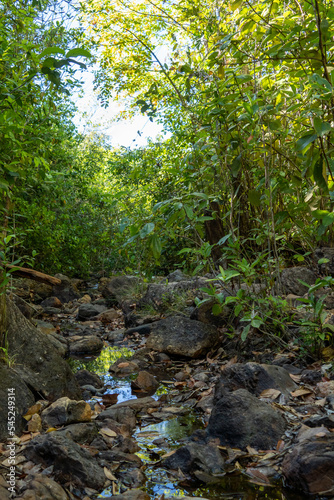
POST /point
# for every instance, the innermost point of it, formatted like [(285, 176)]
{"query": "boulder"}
[(87, 311), (38, 362), (196, 457), (325, 253), (176, 276), (161, 295), (255, 378), (66, 291), (290, 277), (70, 461), (23, 399), (66, 411), (239, 420), (82, 433), (42, 487), (145, 382), (117, 289), (89, 344), (85, 377), (181, 336), (310, 465), (52, 302), (27, 289)]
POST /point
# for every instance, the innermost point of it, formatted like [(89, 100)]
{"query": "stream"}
[(159, 438)]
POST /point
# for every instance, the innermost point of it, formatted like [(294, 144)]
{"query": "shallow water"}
[(174, 432)]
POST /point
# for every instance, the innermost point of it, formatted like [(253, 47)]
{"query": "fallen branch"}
[(23, 272)]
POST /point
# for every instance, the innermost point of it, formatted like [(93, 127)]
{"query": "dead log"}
[(23, 272)]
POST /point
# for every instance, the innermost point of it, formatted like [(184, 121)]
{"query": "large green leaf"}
[(147, 229), (156, 246), (52, 50), (321, 127), (79, 52), (319, 173), (305, 141)]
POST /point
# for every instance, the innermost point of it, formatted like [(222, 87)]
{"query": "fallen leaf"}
[(321, 402), (108, 432), (169, 454), (257, 477), (321, 434), (122, 365), (301, 392), (109, 474), (280, 445), (51, 429), (270, 393), (252, 451), (295, 378), (232, 361)]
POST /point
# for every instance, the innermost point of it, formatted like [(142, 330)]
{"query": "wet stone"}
[(66, 411)]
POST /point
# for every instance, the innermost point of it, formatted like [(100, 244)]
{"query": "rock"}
[(131, 495), (180, 336), (161, 295), (325, 253), (35, 423), (108, 316), (22, 399), (86, 299), (39, 364), (239, 420), (115, 455), (122, 415), (124, 367), (176, 276), (290, 277), (89, 344), (59, 343), (117, 289), (204, 313), (27, 289), (66, 291), (134, 404), (66, 411), (310, 466), (87, 311), (26, 309), (255, 378), (145, 381), (42, 487), (70, 461), (85, 377), (82, 433), (52, 302), (194, 457), (320, 420)]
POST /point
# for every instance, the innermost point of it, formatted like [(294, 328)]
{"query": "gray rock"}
[(89, 344), (42, 487), (66, 411), (239, 420), (82, 433), (290, 277), (194, 457), (23, 399), (161, 295), (176, 276), (177, 335), (310, 466), (70, 461), (146, 382), (85, 377), (117, 289), (255, 378), (131, 495), (327, 253), (66, 291), (121, 415), (37, 360), (87, 311)]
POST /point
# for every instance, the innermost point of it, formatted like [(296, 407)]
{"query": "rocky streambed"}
[(158, 406)]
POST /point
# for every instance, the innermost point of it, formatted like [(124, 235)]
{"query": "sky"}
[(92, 116)]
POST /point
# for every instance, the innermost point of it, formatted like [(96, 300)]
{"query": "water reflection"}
[(100, 364)]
